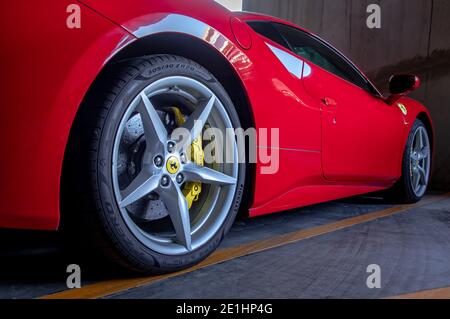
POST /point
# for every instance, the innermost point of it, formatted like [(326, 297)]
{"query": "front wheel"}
[(157, 203), (416, 167)]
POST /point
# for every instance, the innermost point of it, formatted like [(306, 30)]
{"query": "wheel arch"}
[(426, 120), (200, 52)]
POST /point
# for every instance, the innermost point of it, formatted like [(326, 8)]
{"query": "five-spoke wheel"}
[(416, 167), (152, 184), (152, 165)]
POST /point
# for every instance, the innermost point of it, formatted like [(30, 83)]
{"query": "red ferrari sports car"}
[(93, 91)]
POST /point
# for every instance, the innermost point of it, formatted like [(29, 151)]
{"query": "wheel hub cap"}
[(173, 165)]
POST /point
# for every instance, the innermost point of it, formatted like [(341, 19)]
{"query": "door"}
[(361, 134)]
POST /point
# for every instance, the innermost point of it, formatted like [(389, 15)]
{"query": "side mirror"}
[(400, 85)]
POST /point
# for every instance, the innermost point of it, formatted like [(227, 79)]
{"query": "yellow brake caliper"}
[(191, 190)]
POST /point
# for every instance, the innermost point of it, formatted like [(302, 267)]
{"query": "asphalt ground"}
[(321, 251)]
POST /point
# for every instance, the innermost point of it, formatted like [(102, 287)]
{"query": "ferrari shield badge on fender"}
[(403, 108)]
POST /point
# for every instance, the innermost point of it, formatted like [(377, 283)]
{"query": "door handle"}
[(328, 101)]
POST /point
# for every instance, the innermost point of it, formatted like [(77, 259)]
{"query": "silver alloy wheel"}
[(420, 161), (193, 227)]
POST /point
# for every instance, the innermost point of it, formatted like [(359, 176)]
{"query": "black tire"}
[(87, 181), (402, 192)]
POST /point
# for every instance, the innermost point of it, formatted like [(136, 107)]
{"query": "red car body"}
[(326, 152)]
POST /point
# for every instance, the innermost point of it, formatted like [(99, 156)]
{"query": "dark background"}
[(414, 37)]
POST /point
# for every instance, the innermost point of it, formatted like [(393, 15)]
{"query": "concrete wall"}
[(414, 37)]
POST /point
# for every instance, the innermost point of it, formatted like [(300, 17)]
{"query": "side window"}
[(313, 50), (268, 30)]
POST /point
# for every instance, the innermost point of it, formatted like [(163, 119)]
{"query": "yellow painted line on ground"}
[(441, 293), (109, 287)]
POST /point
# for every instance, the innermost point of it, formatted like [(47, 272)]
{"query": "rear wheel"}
[(416, 167), (156, 204)]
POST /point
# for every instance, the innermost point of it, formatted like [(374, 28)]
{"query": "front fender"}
[(415, 110)]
